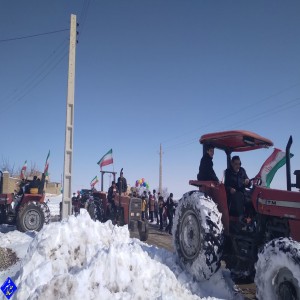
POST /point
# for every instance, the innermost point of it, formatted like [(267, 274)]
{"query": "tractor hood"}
[(236, 140)]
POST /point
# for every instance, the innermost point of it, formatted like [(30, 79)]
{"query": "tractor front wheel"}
[(278, 270), (30, 217), (198, 235)]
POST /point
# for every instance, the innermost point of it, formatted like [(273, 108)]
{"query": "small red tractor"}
[(127, 210), (28, 211), (204, 230)]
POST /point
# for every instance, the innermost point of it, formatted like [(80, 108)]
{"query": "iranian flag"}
[(47, 165), (94, 181), (106, 160), (23, 170), (274, 162)]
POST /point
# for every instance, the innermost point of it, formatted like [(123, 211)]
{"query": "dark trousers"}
[(151, 216), (156, 216), (237, 204), (170, 218), (161, 219), (143, 215)]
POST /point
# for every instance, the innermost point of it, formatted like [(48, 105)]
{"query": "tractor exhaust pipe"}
[(288, 164)]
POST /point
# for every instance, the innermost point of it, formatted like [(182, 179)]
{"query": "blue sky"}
[(149, 72)]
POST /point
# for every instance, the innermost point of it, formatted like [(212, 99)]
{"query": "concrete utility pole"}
[(160, 170), (67, 177)]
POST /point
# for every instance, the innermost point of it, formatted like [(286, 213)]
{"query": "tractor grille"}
[(135, 210)]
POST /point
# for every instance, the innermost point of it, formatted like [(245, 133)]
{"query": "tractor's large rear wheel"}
[(198, 235), (31, 217), (278, 271)]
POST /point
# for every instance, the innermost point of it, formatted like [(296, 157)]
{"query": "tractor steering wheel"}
[(254, 182)]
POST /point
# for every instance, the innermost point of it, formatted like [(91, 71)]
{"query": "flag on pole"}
[(107, 159), (47, 165), (23, 170), (94, 181), (274, 162)]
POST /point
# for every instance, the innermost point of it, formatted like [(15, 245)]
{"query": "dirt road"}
[(162, 239)]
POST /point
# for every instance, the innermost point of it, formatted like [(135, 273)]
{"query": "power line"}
[(83, 15), (236, 111), (277, 109), (36, 83), (33, 35), (35, 73)]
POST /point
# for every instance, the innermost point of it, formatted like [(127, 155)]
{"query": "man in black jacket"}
[(206, 171), (112, 191), (236, 180), (170, 210), (122, 183)]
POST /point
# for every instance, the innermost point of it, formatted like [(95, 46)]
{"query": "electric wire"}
[(46, 63), (34, 85), (33, 35), (238, 111), (265, 114)]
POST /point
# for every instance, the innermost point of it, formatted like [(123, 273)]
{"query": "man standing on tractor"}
[(112, 192), (206, 171), (122, 184), (236, 180)]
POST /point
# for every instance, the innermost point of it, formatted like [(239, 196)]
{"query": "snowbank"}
[(82, 259), (53, 204), (18, 242)]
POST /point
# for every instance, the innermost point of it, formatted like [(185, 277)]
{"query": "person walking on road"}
[(170, 209), (161, 205)]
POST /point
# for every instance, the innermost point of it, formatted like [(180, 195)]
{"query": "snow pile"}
[(82, 259), (53, 204), (17, 241)]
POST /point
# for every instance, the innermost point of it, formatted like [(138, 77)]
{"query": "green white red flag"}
[(274, 162), (47, 165), (23, 170), (94, 181), (106, 159)]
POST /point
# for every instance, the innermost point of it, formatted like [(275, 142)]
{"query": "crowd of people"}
[(156, 209)]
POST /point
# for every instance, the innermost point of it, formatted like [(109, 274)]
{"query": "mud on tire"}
[(31, 216), (198, 235), (278, 270)]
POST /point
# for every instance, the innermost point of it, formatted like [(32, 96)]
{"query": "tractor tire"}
[(101, 210), (120, 219), (94, 211), (278, 270), (30, 217), (143, 230), (198, 235)]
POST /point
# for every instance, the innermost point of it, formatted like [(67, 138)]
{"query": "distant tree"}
[(164, 192), (33, 169), (5, 165)]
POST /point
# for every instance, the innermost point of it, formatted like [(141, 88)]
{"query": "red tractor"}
[(205, 232), (28, 210), (127, 210)]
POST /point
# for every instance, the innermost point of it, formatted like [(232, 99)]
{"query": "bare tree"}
[(5, 165), (165, 193), (33, 170)]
